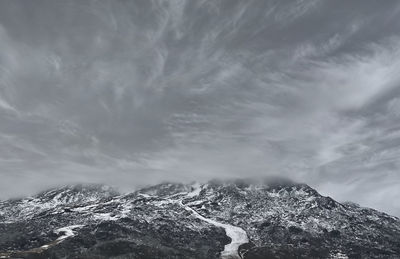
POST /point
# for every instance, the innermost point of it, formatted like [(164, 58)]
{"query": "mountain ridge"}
[(279, 218)]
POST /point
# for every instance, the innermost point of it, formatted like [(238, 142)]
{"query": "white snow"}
[(237, 235), (105, 217), (124, 208), (84, 208), (67, 232), (145, 195), (338, 256), (162, 202)]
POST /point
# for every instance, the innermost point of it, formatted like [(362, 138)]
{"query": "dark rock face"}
[(282, 219)]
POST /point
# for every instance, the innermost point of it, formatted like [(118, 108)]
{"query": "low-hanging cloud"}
[(135, 92)]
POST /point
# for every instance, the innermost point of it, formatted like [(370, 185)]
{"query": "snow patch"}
[(145, 195), (105, 217), (338, 256), (67, 232), (124, 210)]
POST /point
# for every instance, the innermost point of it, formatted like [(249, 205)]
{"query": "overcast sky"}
[(135, 92)]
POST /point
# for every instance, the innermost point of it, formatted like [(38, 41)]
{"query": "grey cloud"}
[(135, 92)]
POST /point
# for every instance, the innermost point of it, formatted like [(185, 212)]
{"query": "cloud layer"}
[(135, 92)]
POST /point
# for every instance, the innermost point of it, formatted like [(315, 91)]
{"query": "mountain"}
[(269, 218)]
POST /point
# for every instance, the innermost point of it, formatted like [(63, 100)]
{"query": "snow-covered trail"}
[(237, 235)]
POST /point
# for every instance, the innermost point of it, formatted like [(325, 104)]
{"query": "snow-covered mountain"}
[(271, 218)]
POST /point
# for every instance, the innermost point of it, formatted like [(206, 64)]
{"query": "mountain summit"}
[(219, 219)]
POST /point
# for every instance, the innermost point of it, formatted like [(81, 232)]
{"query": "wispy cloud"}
[(135, 92)]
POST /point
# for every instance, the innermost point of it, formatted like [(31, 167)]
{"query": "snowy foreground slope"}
[(236, 219)]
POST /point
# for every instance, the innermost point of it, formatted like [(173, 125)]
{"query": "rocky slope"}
[(236, 219)]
